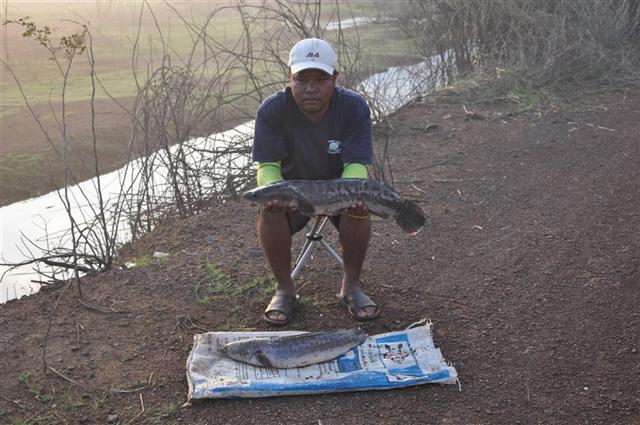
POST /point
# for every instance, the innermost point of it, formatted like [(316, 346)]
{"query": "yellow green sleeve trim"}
[(354, 171), (269, 172)]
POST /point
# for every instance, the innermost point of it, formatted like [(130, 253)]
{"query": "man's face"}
[(312, 90)]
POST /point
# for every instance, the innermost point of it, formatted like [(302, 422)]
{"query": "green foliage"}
[(215, 286), (161, 416), (47, 400), (144, 260), (219, 285), (141, 261), (169, 408), (485, 87), (260, 285), (24, 378), (71, 44), (309, 302), (528, 97), (69, 402), (221, 288)]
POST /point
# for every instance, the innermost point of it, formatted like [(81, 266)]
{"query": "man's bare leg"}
[(275, 239), (354, 238)]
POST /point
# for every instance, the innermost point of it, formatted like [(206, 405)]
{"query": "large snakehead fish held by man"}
[(292, 351), (332, 197)]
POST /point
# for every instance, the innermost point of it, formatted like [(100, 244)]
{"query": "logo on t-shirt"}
[(334, 147)]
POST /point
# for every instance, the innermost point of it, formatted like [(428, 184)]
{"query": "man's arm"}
[(269, 172), (354, 171)]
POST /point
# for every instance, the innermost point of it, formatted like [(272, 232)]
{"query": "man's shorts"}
[(297, 221)]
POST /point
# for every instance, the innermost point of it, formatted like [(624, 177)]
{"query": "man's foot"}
[(280, 310), (360, 305)]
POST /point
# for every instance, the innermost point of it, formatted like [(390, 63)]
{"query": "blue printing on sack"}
[(394, 350), (360, 381), (349, 361)]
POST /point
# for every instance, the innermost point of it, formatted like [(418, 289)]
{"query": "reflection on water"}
[(348, 23), (30, 226)]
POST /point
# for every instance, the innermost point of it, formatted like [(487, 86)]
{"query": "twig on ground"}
[(417, 188), (17, 403), (448, 181), (64, 377), (469, 114), (134, 355), (98, 308), (132, 390), (141, 410), (598, 126), (78, 327)]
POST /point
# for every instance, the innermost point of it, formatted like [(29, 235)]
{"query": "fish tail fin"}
[(411, 217)]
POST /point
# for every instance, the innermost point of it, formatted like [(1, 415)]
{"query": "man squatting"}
[(313, 130)]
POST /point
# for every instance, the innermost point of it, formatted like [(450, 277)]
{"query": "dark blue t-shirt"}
[(308, 150)]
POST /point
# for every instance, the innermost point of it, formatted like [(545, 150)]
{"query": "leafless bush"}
[(89, 244), (546, 41)]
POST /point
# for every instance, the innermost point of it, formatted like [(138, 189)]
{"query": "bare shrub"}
[(546, 41)]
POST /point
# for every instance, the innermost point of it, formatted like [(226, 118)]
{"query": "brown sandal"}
[(356, 301), (281, 303)]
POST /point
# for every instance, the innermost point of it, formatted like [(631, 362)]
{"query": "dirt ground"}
[(529, 268)]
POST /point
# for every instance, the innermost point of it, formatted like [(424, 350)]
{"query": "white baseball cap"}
[(312, 53)]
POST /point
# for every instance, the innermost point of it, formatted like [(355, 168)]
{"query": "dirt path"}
[(529, 269)]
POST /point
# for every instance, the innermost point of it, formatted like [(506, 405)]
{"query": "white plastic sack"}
[(384, 361)]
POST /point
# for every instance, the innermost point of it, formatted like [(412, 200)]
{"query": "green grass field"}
[(114, 29)]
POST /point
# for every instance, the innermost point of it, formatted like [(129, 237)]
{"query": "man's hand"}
[(278, 206), (359, 209)]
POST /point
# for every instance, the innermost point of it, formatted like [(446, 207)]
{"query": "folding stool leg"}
[(314, 237)]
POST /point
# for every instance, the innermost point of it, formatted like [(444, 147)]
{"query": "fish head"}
[(253, 195), (246, 353), (236, 351), (280, 191)]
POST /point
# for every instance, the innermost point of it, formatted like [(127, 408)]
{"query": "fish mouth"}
[(250, 195)]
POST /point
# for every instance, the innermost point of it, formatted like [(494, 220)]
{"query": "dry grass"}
[(543, 41)]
